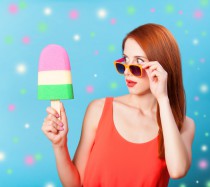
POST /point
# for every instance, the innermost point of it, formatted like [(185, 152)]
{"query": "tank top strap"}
[(106, 117)]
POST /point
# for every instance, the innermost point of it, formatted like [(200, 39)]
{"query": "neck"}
[(146, 103)]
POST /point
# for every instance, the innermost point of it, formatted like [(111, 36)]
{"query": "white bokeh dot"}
[(2, 156), (204, 148), (95, 75), (195, 41), (21, 68), (47, 11), (197, 181), (76, 37), (102, 13), (204, 88), (50, 184), (27, 125)]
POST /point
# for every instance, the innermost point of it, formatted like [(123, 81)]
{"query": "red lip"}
[(130, 83)]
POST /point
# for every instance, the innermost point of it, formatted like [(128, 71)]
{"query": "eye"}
[(126, 59), (140, 61)]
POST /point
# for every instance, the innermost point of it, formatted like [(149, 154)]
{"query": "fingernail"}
[(61, 124), (61, 128)]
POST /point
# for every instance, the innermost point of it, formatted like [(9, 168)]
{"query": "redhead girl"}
[(141, 139)]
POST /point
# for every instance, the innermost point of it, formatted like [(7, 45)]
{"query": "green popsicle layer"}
[(55, 92)]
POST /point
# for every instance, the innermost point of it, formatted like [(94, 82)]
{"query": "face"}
[(134, 54)]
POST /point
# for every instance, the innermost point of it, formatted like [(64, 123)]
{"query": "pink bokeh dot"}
[(74, 14), (198, 14), (96, 52), (203, 164), (29, 160), (113, 21), (11, 107), (202, 60), (180, 12), (26, 40), (89, 89), (13, 9), (152, 10), (196, 98)]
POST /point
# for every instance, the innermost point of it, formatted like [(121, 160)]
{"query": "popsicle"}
[(54, 76)]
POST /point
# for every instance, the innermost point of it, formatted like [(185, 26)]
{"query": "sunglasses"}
[(135, 69)]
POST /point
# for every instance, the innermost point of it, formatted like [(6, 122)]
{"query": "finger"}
[(51, 117), (63, 112), (52, 111), (148, 64), (55, 125), (50, 128)]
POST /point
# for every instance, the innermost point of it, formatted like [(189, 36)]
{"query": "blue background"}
[(26, 27)]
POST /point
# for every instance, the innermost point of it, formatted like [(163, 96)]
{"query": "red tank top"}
[(116, 162)]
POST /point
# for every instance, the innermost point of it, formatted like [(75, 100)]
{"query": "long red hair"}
[(160, 45)]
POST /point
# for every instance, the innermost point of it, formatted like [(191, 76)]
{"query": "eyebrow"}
[(136, 56)]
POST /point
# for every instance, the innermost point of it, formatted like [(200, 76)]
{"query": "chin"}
[(139, 92)]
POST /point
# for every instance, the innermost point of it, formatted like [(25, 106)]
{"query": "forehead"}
[(132, 48)]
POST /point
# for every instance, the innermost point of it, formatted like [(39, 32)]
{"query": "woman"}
[(139, 139)]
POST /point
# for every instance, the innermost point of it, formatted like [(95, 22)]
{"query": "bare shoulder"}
[(94, 111)]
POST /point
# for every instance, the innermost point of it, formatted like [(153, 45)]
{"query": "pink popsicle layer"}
[(54, 57)]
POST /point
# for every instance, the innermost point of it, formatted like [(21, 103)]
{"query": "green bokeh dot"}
[(191, 62), (206, 134), (23, 91), (169, 8), (186, 32), (92, 34), (38, 156), (113, 85), (22, 5), (111, 48), (204, 2), (15, 140), (208, 184), (203, 33), (182, 185), (131, 10), (9, 171), (196, 113), (8, 39), (42, 27), (179, 23)]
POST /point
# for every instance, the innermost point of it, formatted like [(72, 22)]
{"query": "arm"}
[(71, 173), (177, 144)]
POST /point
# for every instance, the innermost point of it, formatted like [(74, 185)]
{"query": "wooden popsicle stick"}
[(56, 105)]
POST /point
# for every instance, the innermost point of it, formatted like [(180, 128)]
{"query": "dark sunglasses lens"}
[(135, 70), (120, 68)]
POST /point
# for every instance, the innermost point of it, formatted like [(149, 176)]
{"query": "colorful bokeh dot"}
[(204, 148), (50, 184), (131, 10), (204, 88), (113, 21), (23, 91), (38, 157), (206, 134), (198, 14), (196, 98), (13, 8), (179, 23), (15, 140), (196, 113), (47, 11), (152, 10), (203, 164), (29, 160), (11, 107), (208, 183), (74, 14), (9, 171), (113, 85), (169, 8), (102, 13), (22, 5), (89, 89), (182, 185), (92, 34), (111, 48), (42, 27), (26, 40), (8, 39)]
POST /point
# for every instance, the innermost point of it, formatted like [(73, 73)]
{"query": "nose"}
[(126, 72)]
